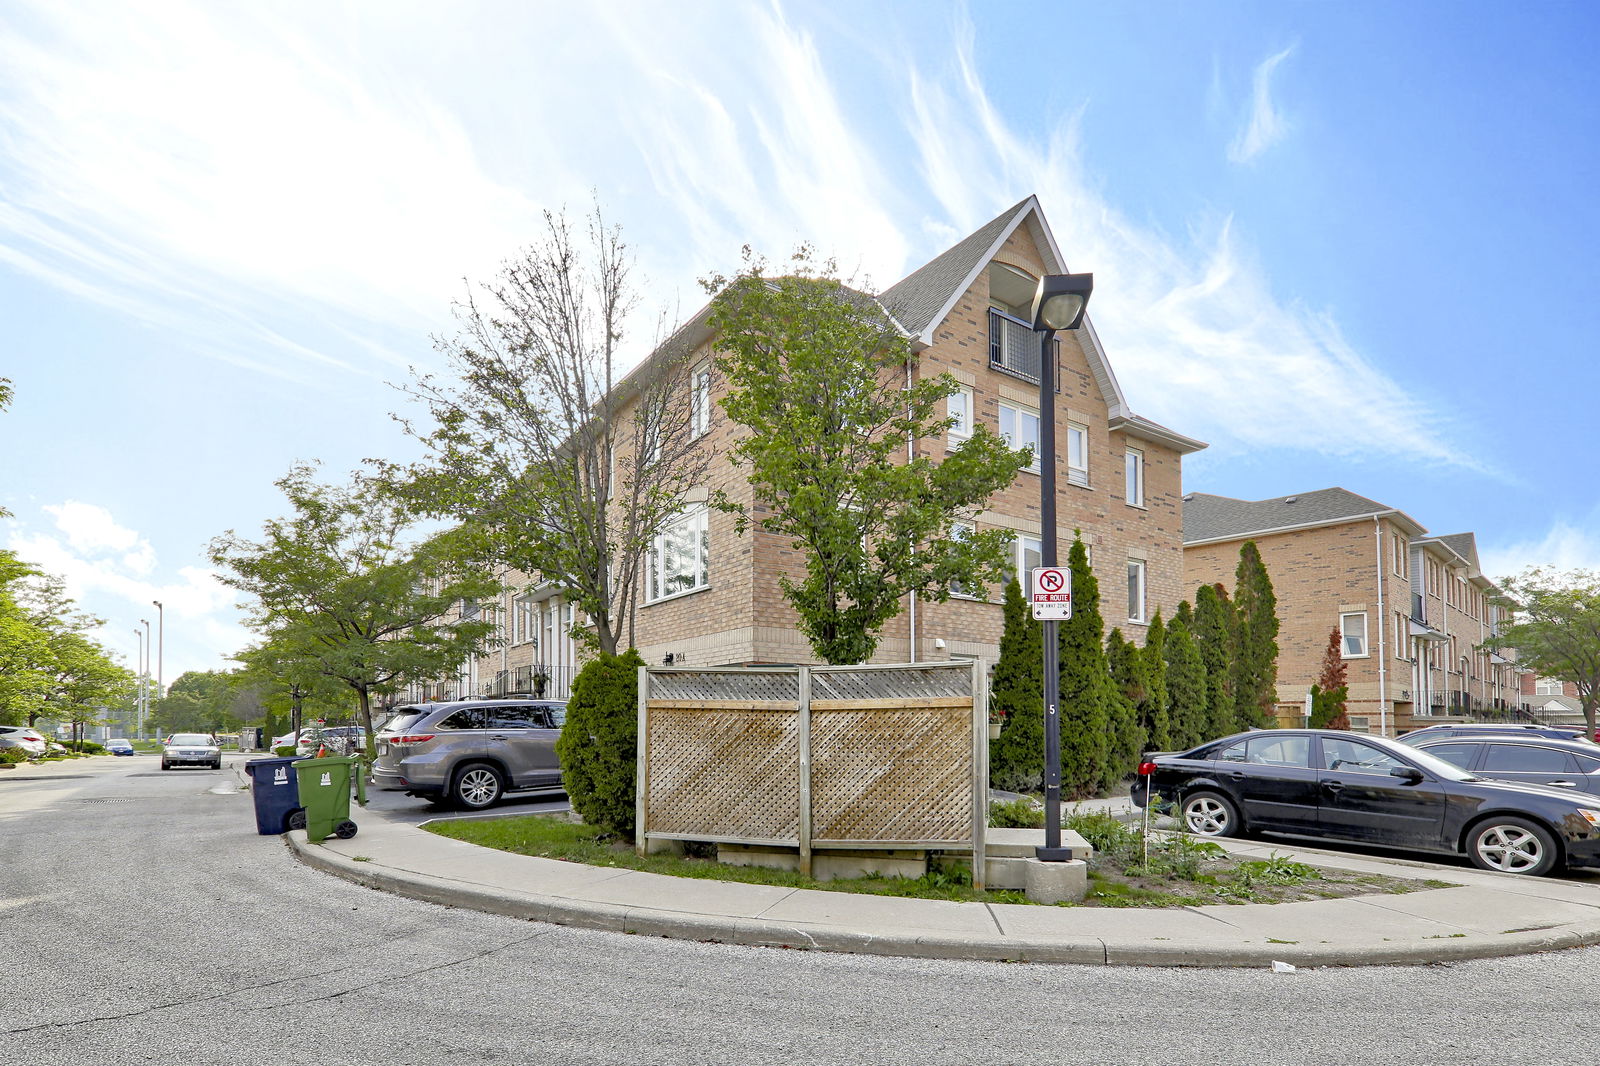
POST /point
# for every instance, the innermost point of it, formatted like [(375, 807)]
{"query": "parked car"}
[(1468, 729), (1530, 760), (337, 739), (20, 736), (1371, 790), (119, 746), (191, 749), (470, 753)]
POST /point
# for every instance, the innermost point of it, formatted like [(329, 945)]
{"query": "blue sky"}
[(1347, 244)]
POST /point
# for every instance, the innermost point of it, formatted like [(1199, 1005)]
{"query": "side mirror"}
[(1409, 774)]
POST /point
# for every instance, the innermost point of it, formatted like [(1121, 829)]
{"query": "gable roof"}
[(1208, 518)]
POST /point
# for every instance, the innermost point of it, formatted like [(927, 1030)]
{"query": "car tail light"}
[(1146, 768), (413, 738)]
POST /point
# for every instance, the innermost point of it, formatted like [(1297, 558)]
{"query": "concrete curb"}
[(1060, 946)]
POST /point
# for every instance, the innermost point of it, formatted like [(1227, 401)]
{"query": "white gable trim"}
[(1028, 211)]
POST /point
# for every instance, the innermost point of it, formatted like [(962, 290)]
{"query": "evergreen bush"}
[(1016, 699), (1255, 686), (1186, 687), (1086, 687), (598, 746)]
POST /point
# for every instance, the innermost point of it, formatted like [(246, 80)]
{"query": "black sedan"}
[(1371, 790)]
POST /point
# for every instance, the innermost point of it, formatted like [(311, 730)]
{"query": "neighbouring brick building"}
[(711, 597), (1414, 612)]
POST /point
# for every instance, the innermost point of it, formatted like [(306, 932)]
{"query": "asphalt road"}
[(142, 920)]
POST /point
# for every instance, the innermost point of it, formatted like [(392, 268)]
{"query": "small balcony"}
[(1014, 348)]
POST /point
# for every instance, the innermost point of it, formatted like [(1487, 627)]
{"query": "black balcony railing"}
[(1014, 348)]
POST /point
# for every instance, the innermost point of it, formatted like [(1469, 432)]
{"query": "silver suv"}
[(470, 753)]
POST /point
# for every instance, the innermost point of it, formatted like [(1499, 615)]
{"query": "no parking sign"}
[(1052, 593)]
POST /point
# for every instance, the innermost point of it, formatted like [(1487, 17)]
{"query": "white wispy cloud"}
[(1265, 125), (1191, 325), (108, 569), (1570, 542), (207, 168)]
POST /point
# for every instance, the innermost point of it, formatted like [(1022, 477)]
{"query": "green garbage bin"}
[(325, 795)]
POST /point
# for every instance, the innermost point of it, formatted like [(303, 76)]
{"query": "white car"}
[(191, 749), (20, 736)]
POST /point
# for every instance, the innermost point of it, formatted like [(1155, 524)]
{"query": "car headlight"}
[(1592, 817)]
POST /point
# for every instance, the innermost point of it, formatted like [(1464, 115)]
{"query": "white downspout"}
[(1383, 655)]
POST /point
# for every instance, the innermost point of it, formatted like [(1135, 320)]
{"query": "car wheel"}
[(477, 785), (1207, 814), (164, 766), (297, 819), (1512, 846)]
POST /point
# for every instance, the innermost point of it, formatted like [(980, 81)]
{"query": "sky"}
[(1345, 244)]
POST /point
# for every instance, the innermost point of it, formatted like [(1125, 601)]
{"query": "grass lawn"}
[(1174, 871)]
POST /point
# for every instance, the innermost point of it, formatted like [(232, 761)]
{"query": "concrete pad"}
[(1486, 910), (1055, 882), (1021, 843), (853, 911)]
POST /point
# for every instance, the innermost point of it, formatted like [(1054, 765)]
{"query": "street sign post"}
[(1052, 593)]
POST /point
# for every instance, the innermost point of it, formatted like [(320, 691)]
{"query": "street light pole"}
[(138, 697), (1057, 305), (161, 646)]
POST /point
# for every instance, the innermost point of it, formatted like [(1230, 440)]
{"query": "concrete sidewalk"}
[(1483, 915)]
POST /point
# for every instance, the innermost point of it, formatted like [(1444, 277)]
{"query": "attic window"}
[(1011, 290)]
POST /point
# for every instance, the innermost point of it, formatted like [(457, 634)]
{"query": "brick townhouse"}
[(711, 596), (1414, 612)]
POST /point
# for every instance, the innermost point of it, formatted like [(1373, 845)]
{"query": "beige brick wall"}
[(743, 617)]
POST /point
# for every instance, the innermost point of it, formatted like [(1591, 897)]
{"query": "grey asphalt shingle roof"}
[(918, 297), (1207, 517), (1463, 544)]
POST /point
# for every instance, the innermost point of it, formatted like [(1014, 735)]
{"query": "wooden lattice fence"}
[(880, 757)]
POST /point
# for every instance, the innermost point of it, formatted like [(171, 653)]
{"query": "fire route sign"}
[(1052, 593)]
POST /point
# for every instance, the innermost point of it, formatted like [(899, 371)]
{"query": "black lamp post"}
[(1058, 304)]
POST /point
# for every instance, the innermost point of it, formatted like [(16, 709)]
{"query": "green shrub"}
[(1108, 837), (598, 746), (285, 750), (13, 755), (1020, 813)]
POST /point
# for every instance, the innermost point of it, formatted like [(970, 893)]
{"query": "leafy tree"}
[(817, 373), (1330, 690), (1154, 717), (289, 682), (1255, 662), (1556, 628), (335, 585), (48, 667), (1016, 697), (1214, 625), (1086, 686), (1187, 689), (568, 474), (1130, 690), (599, 742)]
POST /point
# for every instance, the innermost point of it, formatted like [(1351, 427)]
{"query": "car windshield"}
[(190, 740), (1437, 766)]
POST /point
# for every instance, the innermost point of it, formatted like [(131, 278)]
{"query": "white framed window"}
[(1077, 454), (1548, 686), (1136, 590), (1019, 427), (524, 621), (961, 531), (1353, 634), (680, 556), (1402, 553), (700, 399), (1027, 554), (958, 406), (1134, 477)]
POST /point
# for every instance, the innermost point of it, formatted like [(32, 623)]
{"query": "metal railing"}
[(1014, 348)]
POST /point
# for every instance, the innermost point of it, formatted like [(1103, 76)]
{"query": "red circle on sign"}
[(1050, 581)]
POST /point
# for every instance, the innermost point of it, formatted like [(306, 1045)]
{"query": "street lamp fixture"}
[(1058, 304)]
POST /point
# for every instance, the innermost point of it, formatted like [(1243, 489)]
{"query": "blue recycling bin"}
[(277, 795)]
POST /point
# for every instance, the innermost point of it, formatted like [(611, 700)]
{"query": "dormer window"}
[(1013, 345)]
